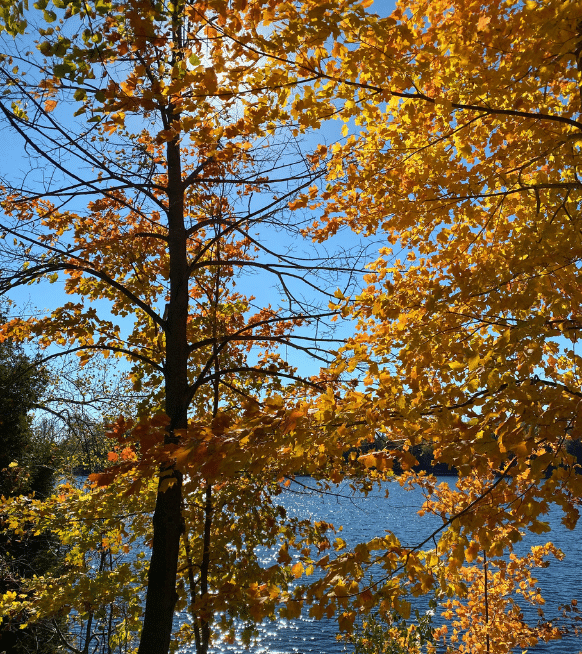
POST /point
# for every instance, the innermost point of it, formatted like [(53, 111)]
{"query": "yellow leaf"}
[(297, 570), (471, 551), (473, 362), (403, 608)]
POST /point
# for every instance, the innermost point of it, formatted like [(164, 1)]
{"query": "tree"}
[(168, 145), (466, 160), (21, 386), (27, 463), (463, 148)]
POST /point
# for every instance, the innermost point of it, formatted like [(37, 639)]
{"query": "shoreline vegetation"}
[(423, 453)]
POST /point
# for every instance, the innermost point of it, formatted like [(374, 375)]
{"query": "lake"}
[(363, 519)]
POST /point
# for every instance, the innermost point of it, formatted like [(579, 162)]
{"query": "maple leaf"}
[(483, 22)]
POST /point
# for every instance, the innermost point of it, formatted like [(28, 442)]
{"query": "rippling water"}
[(364, 518)]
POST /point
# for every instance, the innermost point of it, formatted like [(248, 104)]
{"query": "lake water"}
[(363, 519)]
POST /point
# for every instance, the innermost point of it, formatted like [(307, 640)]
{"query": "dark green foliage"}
[(425, 457), (21, 386), (574, 447), (26, 468)]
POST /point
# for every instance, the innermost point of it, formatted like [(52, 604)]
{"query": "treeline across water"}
[(425, 456)]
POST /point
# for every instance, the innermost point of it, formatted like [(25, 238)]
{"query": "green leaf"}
[(63, 69), (45, 48)]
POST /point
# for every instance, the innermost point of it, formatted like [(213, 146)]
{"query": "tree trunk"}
[(168, 521)]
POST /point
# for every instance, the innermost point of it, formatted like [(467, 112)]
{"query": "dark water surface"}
[(364, 518)]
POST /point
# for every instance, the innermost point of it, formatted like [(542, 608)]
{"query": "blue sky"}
[(38, 298)]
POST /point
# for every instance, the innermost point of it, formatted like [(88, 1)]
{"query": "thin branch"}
[(262, 371), (110, 348)]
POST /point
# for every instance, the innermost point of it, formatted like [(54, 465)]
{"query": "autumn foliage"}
[(463, 149), (458, 151)]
